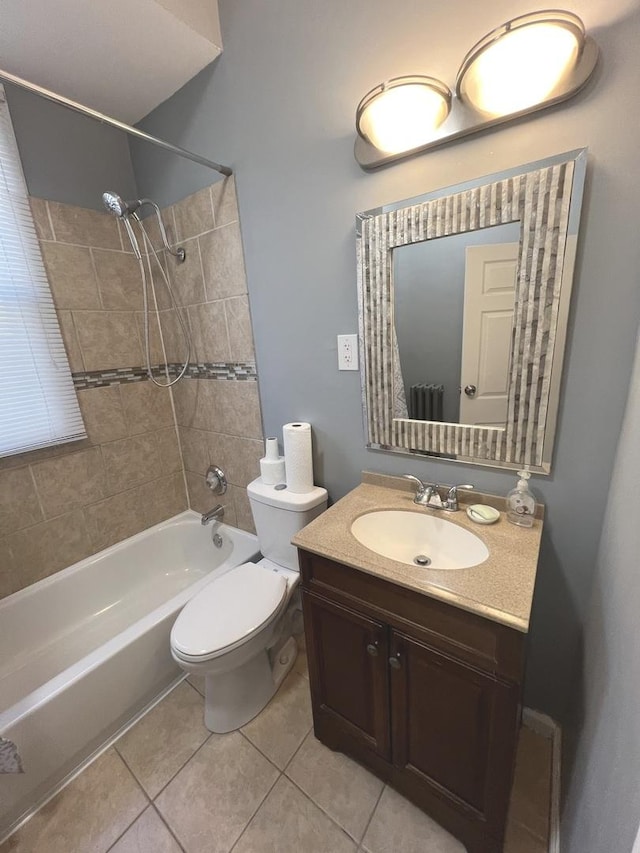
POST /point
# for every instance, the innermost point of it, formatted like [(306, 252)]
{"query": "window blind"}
[(38, 403)]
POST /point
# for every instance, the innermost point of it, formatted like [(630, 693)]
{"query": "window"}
[(38, 403)]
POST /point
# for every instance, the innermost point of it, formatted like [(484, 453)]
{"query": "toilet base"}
[(235, 697)]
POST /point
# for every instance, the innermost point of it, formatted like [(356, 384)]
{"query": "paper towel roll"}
[(297, 457), (271, 465)]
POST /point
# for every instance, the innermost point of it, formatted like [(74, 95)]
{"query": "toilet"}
[(236, 632)]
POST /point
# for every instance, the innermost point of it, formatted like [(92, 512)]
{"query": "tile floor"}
[(169, 786)]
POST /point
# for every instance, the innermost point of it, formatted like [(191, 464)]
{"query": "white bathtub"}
[(84, 651)]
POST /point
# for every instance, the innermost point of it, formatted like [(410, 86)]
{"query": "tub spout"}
[(217, 512)]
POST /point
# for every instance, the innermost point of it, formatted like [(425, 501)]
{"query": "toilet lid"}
[(229, 609)]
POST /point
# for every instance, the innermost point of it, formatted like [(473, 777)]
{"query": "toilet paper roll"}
[(271, 448), (272, 470), (297, 457)]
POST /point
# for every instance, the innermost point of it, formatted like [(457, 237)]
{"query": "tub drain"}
[(422, 560)]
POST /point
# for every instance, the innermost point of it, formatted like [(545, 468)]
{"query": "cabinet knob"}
[(394, 662), (372, 649)]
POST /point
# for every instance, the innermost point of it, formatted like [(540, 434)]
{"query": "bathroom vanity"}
[(417, 672)]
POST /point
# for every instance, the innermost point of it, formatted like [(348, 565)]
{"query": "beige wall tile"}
[(71, 276), (186, 278), (70, 481), (233, 408), (141, 458), (83, 226), (45, 548), (156, 350), (115, 518), (239, 457), (209, 332), (103, 413), (146, 407), (240, 329), (194, 214), (19, 505), (108, 339), (163, 498), (173, 337), (9, 580), (195, 452), (185, 399), (160, 269), (223, 262), (244, 516), (225, 203), (33, 456), (71, 343), (206, 414), (119, 280), (41, 218)]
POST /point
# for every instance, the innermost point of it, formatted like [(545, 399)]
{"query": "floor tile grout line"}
[(257, 748), (324, 812), (144, 793), (181, 768), (169, 830), (260, 804), (366, 829), (298, 748)]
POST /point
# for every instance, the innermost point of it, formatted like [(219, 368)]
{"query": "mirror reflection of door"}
[(429, 305), (489, 296)]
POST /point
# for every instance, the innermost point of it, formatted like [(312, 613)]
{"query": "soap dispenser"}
[(521, 505)]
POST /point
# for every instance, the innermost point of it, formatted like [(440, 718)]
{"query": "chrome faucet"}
[(217, 512), (424, 491), (428, 494)]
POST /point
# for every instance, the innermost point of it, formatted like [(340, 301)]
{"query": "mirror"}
[(463, 297)]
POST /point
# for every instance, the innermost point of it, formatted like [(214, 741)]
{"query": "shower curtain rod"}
[(114, 122)]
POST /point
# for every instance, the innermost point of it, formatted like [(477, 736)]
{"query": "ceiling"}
[(121, 57)]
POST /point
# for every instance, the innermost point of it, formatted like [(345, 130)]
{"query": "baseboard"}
[(547, 727)]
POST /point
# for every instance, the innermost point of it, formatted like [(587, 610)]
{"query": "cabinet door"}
[(454, 732), (348, 667)]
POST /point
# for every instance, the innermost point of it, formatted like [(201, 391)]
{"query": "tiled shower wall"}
[(219, 419), (62, 504)]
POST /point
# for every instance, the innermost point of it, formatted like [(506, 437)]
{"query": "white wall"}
[(603, 803)]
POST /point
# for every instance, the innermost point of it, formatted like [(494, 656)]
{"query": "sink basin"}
[(419, 540)]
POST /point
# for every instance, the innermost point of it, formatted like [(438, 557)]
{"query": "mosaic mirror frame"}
[(546, 198)]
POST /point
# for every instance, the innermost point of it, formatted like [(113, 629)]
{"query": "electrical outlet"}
[(347, 352)]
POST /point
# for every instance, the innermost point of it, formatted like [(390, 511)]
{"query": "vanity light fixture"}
[(528, 64), (403, 112)]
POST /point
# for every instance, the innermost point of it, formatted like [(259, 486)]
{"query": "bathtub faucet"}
[(217, 512)]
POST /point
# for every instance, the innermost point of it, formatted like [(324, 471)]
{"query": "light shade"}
[(521, 63), (403, 113)]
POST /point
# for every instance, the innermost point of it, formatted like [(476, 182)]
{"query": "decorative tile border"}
[(230, 371)]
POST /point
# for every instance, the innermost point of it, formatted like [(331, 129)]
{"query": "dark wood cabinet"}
[(423, 693)]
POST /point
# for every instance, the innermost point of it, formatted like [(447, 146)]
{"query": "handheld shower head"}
[(118, 206)]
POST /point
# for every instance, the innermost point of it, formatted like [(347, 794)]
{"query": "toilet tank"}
[(279, 514)]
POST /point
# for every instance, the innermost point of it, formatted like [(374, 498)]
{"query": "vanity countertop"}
[(501, 588)]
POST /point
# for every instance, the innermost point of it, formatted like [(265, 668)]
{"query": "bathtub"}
[(85, 651)]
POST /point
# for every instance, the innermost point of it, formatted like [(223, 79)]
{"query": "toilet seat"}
[(228, 612)]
